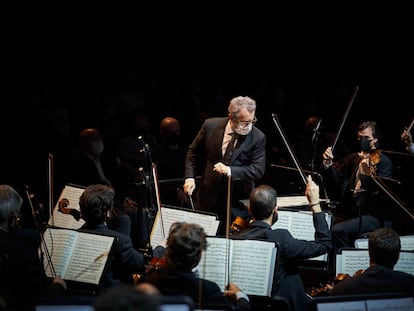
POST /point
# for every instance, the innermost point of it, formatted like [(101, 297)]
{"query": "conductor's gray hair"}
[(240, 102)]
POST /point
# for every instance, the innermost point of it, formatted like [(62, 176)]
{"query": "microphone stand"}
[(150, 210), (43, 246)]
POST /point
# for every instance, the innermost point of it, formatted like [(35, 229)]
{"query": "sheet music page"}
[(407, 243), (77, 256), (299, 224), (352, 261), (358, 305), (284, 220), (213, 265), (62, 220), (406, 262), (290, 201), (391, 304), (89, 258), (258, 254), (60, 244), (170, 215)]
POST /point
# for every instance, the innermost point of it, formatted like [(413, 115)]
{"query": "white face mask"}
[(242, 129), (98, 146)]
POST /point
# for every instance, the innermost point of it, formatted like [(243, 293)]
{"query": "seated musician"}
[(359, 211), (173, 274), (287, 282), (384, 247)]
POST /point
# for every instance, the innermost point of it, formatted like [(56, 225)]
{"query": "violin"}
[(156, 264), (324, 290), (375, 159), (238, 224), (63, 208)]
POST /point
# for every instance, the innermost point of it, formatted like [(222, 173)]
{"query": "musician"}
[(176, 275), (96, 206), (208, 149), (287, 281), (345, 184), (407, 138), (22, 276), (384, 247)]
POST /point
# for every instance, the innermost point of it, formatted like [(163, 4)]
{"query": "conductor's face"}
[(243, 124)]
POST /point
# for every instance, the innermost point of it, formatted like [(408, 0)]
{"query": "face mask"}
[(365, 144), (242, 129), (97, 147)]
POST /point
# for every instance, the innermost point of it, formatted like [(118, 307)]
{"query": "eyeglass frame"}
[(246, 123)]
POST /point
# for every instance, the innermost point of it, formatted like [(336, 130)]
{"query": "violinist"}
[(384, 247), (357, 211), (287, 281)]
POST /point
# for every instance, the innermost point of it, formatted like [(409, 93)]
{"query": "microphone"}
[(144, 146), (316, 130)]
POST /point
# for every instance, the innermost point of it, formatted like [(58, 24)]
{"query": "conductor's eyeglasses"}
[(246, 123)]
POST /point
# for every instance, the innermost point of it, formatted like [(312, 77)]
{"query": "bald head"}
[(169, 125)]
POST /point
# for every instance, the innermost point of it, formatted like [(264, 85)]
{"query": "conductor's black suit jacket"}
[(247, 165)]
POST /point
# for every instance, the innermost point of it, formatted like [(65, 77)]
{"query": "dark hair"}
[(96, 204), (263, 200), (384, 247), (127, 298), (185, 244), (376, 132), (10, 203)]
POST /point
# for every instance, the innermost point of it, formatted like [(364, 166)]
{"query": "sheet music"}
[(352, 260), (62, 220), (407, 243), (288, 201), (300, 225), (292, 201), (242, 255), (159, 233)]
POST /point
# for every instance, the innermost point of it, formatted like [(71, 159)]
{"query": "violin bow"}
[(354, 93), (295, 160)]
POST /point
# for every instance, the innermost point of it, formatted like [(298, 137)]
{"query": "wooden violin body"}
[(324, 290)]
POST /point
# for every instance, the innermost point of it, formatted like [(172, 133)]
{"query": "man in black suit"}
[(207, 156), (384, 247), (287, 281), (96, 205)]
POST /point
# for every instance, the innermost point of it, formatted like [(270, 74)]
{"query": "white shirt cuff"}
[(240, 294)]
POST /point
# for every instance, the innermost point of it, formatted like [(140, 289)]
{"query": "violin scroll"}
[(63, 208)]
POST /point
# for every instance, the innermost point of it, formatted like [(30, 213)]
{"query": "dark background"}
[(296, 62)]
